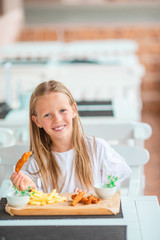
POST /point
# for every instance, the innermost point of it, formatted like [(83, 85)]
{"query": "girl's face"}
[(55, 114)]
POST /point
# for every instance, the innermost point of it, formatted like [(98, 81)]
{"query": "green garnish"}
[(22, 193), (110, 182)]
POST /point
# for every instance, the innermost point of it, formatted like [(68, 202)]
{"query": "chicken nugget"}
[(22, 161), (89, 200), (77, 198), (73, 195), (95, 200), (84, 200)]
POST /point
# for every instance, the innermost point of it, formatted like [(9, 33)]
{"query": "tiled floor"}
[(152, 168)]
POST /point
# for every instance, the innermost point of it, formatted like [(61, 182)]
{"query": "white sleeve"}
[(112, 163), (30, 168)]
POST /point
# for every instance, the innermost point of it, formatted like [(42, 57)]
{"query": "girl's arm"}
[(111, 163), (30, 169), (115, 165)]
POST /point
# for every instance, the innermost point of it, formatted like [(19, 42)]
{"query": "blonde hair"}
[(40, 142)]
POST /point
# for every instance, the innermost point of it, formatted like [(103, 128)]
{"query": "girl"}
[(63, 157)]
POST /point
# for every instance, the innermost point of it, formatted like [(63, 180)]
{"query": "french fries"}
[(39, 198)]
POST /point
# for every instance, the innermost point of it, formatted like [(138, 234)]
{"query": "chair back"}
[(136, 158), (118, 132), (22, 135), (127, 133), (9, 156), (6, 137), (19, 131)]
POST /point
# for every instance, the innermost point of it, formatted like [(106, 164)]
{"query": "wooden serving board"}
[(104, 207)]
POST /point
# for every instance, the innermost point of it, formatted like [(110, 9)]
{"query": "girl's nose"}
[(56, 117)]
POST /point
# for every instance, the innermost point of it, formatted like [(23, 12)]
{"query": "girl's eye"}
[(47, 115), (62, 110)]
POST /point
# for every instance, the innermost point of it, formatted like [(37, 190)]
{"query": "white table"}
[(141, 215)]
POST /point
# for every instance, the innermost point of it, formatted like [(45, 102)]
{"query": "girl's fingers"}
[(16, 179), (25, 182), (22, 181), (77, 190), (13, 176), (19, 183)]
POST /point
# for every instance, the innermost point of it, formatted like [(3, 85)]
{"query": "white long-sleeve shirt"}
[(104, 158)]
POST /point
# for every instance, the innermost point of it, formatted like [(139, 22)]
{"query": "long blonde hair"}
[(40, 143)]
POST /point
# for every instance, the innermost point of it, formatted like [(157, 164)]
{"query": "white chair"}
[(22, 135), (116, 131), (136, 158), (18, 122), (120, 132), (6, 137), (15, 133), (9, 156)]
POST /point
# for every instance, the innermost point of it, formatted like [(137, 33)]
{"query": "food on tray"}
[(104, 207), (40, 198), (22, 161), (95, 200), (86, 200), (90, 199), (77, 198), (73, 195)]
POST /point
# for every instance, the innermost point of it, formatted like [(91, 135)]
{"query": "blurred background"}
[(42, 40)]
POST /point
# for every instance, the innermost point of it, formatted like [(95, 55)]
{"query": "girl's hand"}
[(77, 190), (22, 181)]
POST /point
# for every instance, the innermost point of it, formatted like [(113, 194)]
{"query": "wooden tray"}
[(104, 207)]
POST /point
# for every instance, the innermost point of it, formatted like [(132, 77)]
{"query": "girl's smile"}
[(59, 128), (55, 115)]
